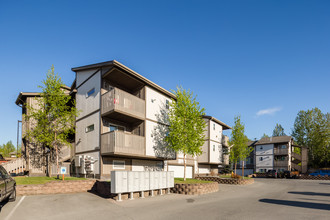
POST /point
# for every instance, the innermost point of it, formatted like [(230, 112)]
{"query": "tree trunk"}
[(235, 167), (243, 169), (184, 162), (56, 151)]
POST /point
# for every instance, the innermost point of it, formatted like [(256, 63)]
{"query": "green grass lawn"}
[(190, 181), (22, 180)]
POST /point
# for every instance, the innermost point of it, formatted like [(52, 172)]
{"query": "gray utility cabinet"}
[(137, 181)]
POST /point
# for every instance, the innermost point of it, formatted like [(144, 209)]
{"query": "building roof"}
[(274, 140), (252, 143), (225, 126), (127, 70), (23, 95)]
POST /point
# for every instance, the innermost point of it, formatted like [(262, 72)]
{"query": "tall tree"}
[(52, 121), (264, 135), (312, 129), (239, 144), (7, 148), (186, 130), (278, 131)]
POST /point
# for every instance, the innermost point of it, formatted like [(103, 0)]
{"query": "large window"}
[(283, 147)]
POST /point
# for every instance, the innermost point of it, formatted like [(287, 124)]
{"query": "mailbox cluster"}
[(139, 181)]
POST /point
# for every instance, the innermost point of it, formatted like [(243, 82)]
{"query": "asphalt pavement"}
[(265, 199)]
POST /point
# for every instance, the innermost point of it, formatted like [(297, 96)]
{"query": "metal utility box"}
[(144, 180), (133, 181), (170, 179), (119, 181), (162, 180), (154, 180), (77, 161)]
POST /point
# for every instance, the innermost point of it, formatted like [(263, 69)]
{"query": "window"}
[(260, 158), (90, 92), (261, 148), (213, 147), (89, 128), (116, 128), (283, 146), (119, 164), (167, 104), (213, 126)]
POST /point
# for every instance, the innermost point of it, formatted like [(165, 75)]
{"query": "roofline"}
[(128, 70), (272, 142), (28, 94), (218, 121), (34, 94)]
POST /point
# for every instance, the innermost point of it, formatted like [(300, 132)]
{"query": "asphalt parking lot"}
[(265, 199)]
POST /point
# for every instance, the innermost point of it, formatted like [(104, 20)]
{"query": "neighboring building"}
[(277, 153), (36, 164), (274, 153), (249, 163), (212, 156)]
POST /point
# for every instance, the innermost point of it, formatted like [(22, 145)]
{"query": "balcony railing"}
[(121, 101), (122, 143), (281, 151), (281, 163)]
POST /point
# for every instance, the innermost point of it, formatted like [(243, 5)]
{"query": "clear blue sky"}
[(264, 60)]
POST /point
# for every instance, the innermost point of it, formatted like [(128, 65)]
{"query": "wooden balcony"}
[(121, 143), (278, 151), (123, 106), (281, 163)]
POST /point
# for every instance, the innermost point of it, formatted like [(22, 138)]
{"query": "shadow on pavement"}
[(310, 205), (2, 204), (325, 183), (311, 193)]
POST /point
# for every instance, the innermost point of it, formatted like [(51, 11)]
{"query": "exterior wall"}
[(147, 165), (83, 75), (215, 152), (204, 158), (264, 157), (179, 171), (108, 165), (90, 140), (204, 169), (85, 104), (156, 106), (215, 131)]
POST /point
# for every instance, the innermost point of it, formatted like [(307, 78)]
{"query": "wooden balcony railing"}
[(121, 101), (121, 142)]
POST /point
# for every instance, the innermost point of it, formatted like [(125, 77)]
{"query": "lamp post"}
[(18, 121)]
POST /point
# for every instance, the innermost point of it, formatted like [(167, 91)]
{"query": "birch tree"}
[(186, 130), (52, 120)]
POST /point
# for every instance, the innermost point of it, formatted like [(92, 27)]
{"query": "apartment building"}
[(122, 122), (36, 162), (213, 148), (279, 153)]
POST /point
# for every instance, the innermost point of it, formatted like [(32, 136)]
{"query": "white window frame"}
[(118, 161), (87, 130)]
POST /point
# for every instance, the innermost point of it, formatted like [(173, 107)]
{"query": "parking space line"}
[(13, 210)]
